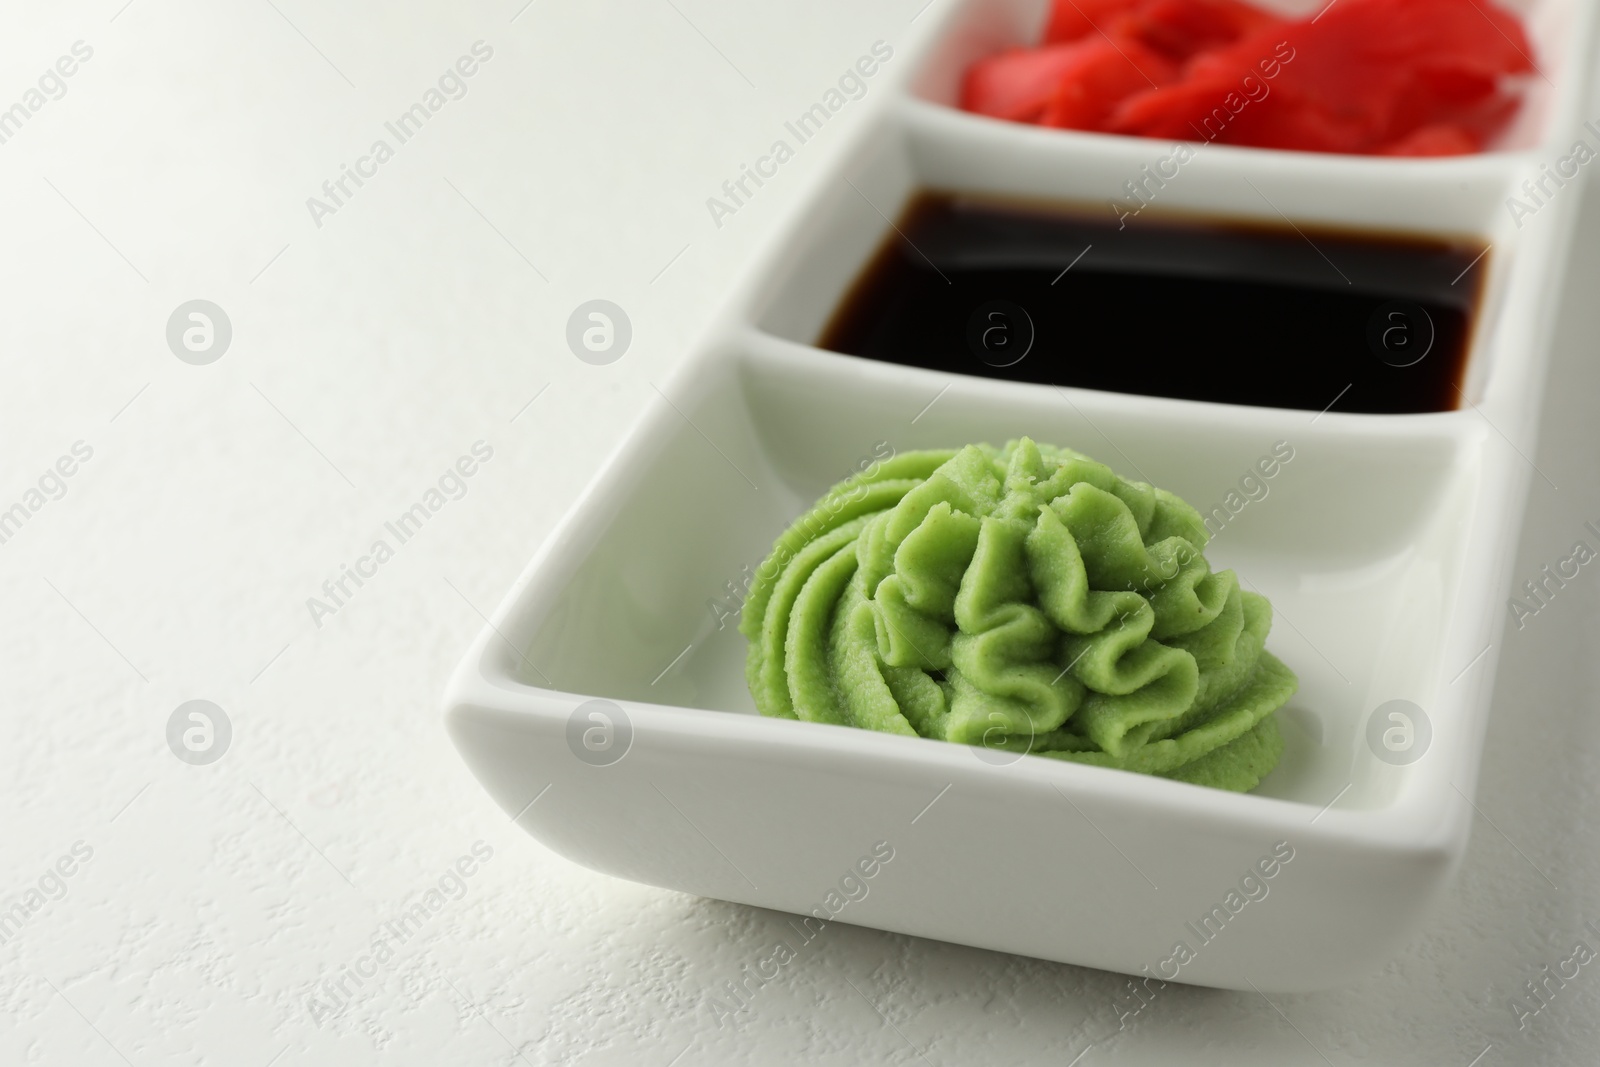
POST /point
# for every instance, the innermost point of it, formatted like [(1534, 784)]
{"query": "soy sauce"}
[(1229, 312)]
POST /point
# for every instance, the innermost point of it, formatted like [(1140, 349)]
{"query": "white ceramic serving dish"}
[(1385, 548)]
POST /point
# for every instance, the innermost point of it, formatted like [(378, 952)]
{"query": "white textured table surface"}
[(368, 353)]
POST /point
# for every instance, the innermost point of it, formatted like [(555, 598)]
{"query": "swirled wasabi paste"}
[(1024, 598)]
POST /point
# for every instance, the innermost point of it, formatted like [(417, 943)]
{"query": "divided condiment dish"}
[(605, 706)]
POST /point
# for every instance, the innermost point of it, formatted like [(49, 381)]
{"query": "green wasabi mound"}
[(1026, 599)]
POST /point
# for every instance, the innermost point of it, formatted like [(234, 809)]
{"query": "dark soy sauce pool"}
[(1219, 311)]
